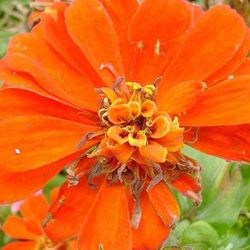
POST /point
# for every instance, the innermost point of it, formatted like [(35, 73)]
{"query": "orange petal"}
[(197, 13), (24, 245), (173, 140), (145, 33), (226, 103), (16, 227), (154, 152), (180, 97), (121, 12), (214, 48), (118, 114), (231, 142), (34, 141), (35, 208), (50, 71), (30, 181), (122, 152), (135, 108), (99, 44), (186, 184), (16, 102), (137, 140), (19, 79), (54, 30), (109, 224), (151, 232), (148, 108), (117, 134), (228, 69), (243, 69), (164, 204), (69, 212), (160, 126), (54, 194)]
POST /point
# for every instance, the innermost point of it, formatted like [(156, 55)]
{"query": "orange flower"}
[(114, 89), (27, 230)]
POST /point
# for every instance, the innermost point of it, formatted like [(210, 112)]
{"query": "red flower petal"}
[(226, 103), (54, 31), (157, 30), (95, 36), (19, 79), (69, 212), (243, 69), (16, 102), (50, 71), (16, 227), (35, 208), (228, 69), (109, 222), (24, 245), (30, 181), (152, 231), (186, 185), (164, 204), (121, 12), (36, 141), (180, 97), (231, 142), (207, 47)]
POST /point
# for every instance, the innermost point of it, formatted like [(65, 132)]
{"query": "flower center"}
[(139, 145), (135, 128)]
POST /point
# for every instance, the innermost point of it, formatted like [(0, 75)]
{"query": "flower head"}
[(113, 90), (27, 230)]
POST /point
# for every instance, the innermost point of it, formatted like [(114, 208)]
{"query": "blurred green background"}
[(222, 222)]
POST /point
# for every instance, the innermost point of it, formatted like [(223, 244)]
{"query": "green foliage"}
[(12, 20), (223, 219), (56, 182), (4, 212)]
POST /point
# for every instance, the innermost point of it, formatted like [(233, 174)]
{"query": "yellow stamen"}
[(139, 140)]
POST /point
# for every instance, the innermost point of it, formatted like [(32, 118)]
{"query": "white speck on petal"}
[(230, 77), (140, 45), (158, 47), (18, 151)]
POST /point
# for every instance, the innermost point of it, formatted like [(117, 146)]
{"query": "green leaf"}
[(4, 213), (200, 232), (223, 211), (4, 39), (213, 173), (173, 239), (57, 181)]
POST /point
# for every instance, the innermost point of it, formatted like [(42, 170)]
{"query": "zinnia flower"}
[(114, 89), (27, 230)]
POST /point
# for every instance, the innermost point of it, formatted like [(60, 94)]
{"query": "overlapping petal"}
[(204, 53), (53, 29), (30, 181), (109, 224), (95, 36), (145, 33), (50, 71), (34, 141), (226, 103), (229, 142), (25, 245), (68, 213)]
